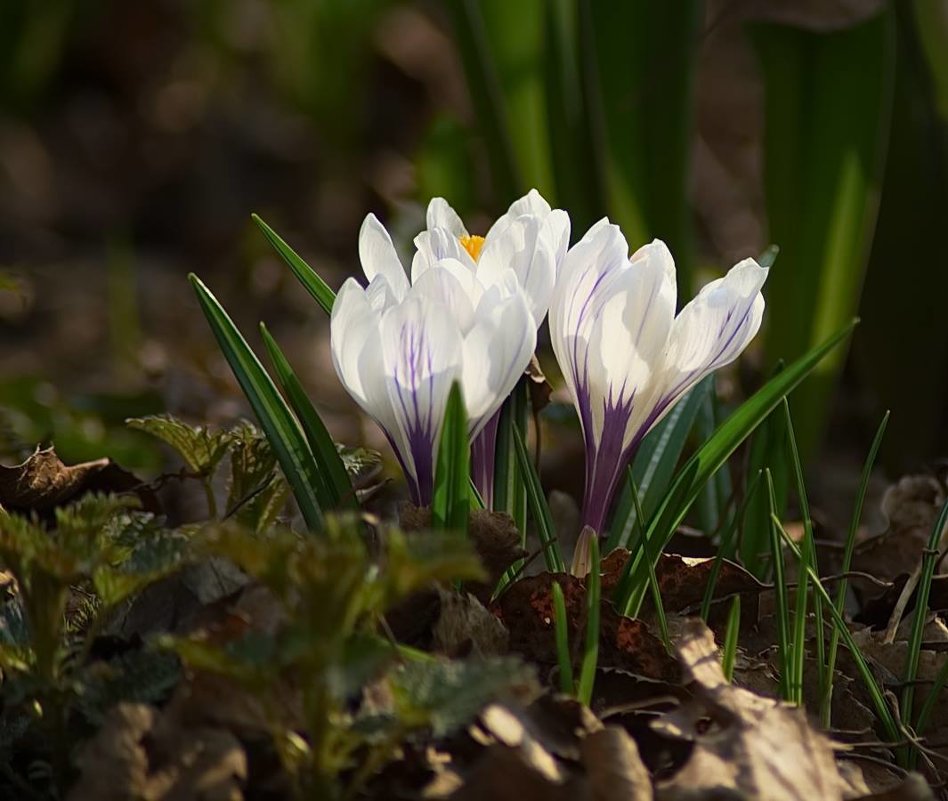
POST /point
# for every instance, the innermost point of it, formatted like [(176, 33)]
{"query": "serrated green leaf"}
[(447, 695), (282, 429), (201, 448), (257, 489), (307, 276), (451, 501), (709, 458), (339, 493)]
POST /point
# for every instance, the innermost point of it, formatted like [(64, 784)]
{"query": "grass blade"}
[(654, 465), (929, 561), (451, 503), (656, 590), (809, 554), (726, 548), (708, 459), (340, 493), (883, 713), (729, 655), (282, 430), (783, 603), (587, 672), (307, 276), (826, 703), (539, 508), (712, 501), (563, 657)]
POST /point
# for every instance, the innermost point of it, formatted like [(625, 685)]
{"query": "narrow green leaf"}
[(929, 562), (587, 672), (782, 601), (564, 659), (644, 56), (654, 465), (307, 276), (827, 700), (883, 712), (282, 430), (451, 503), (483, 82), (539, 508), (340, 493), (729, 651), (822, 177), (712, 501), (708, 459), (809, 555), (651, 561)]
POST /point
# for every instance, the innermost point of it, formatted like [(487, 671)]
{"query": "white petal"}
[(435, 245), (556, 230), (497, 351), (715, 327), (531, 203), (451, 285), (519, 246), (378, 256), (587, 270), (441, 215), (356, 350), (421, 354)]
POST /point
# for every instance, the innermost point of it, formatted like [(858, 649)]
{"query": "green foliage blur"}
[(631, 110)]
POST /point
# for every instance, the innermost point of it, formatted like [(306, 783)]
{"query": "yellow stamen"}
[(473, 244)]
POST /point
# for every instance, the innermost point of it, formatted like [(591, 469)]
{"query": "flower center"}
[(472, 244)]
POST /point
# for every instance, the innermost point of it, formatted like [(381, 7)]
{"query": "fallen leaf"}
[(464, 627), (139, 753), (43, 482), (743, 745), (614, 768)]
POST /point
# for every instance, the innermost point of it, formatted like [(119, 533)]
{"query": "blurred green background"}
[(136, 138)]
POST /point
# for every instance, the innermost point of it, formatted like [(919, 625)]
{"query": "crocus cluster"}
[(470, 313)]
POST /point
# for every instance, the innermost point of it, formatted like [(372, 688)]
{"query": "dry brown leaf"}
[(465, 627), (526, 609), (744, 744), (682, 579), (140, 755), (614, 768), (43, 482), (506, 774)]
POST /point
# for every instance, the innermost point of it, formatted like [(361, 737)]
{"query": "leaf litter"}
[(231, 658)]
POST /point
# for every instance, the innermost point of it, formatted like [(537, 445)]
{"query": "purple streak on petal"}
[(419, 423), (606, 462), (483, 450)]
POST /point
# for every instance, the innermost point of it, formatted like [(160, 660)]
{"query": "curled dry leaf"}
[(540, 388), (743, 745), (682, 579), (614, 768), (43, 482), (526, 609), (494, 534), (135, 756), (464, 627), (911, 506)]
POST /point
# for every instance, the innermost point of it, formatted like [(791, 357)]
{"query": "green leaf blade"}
[(276, 419)]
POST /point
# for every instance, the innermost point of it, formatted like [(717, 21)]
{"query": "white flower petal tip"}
[(624, 354), (378, 257), (398, 345)]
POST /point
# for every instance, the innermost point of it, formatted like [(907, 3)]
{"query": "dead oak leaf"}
[(742, 744), (43, 482), (136, 756)]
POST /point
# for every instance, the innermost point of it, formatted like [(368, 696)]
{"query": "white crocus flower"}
[(627, 358), (398, 348), (531, 239)]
